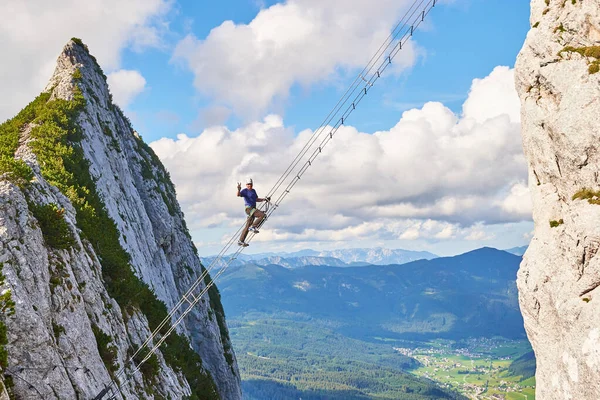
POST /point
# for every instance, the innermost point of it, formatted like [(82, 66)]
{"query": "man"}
[(250, 198)]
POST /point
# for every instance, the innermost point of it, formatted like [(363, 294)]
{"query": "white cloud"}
[(447, 233), (518, 201), (433, 175), (249, 66), (410, 234), (33, 33), (125, 85), (427, 229), (493, 96), (478, 234)]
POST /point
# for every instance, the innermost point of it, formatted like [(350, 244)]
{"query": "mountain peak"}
[(74, 65), (489, 253)]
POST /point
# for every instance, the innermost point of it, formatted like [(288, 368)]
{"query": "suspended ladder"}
[(363, 82)]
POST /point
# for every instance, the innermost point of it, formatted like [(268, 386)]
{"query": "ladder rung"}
[(193, 297)]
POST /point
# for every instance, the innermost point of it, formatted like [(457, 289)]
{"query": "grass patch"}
[(57, 329), (77, 75), (560, 28), (536, 24), (168, 202), (554, 224), (588, 52), (593, 197)]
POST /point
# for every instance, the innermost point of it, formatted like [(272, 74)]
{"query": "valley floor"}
[(477, 368), (280, 359)]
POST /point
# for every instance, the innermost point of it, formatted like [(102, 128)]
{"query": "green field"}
[(476, 368)]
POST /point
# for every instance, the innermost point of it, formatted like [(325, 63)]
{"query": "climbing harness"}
[(364, 81)]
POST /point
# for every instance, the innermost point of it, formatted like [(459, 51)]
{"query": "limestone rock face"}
[(559, 278), (61, 298)]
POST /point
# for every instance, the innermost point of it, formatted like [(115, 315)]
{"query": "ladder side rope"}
[(418, 19)]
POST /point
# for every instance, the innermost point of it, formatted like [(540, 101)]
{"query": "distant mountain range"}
[(332, 258), (519, 251), (377, 255), (473, 294)]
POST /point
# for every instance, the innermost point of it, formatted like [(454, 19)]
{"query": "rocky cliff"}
[(94, 252), (559, 85)]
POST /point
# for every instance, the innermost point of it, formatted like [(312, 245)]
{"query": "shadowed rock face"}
[(61, 295), (560, 274)]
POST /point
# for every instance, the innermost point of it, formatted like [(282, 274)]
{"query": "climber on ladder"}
[(250, 198)]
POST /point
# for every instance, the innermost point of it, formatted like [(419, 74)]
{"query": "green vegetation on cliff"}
[(52, 222), (592, 196), (588, 52)]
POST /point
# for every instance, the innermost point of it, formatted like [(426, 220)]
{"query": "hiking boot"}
[(243, 244)]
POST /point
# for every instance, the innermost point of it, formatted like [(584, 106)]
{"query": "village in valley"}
[(477, 368)]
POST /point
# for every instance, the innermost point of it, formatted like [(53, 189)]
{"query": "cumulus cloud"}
[(249, 66), (125, 85), (518, 201), (492, 97), (478, 234), (433, 175), (34, 32)]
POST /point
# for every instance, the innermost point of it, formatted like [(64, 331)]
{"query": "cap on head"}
[(249, 181)]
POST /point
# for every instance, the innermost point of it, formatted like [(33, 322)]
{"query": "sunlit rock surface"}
[(559, 87)]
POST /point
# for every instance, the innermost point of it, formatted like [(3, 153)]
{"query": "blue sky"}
[(431, 159), (466, 40)]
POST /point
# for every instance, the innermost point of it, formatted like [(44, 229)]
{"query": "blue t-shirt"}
[(249, 196)]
